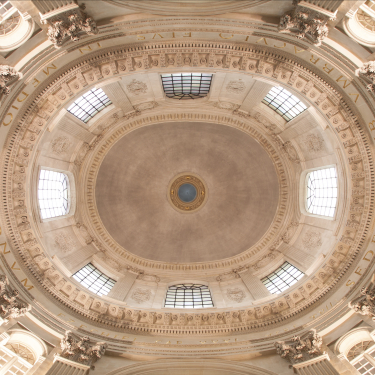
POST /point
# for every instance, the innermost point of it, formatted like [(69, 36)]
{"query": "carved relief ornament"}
[(34, 119)]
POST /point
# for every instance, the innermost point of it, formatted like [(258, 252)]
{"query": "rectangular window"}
[(186, 85)]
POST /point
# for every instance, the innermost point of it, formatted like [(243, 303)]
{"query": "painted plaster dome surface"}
[(132, 187)]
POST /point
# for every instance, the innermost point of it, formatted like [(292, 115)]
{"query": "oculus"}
[(187, 192)]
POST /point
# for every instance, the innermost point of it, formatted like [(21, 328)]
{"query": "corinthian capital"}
[(305, 23), (80, 350), (11, 307), (365, 304), (7, 74), (69, 25), (367, 71), (298, 350)]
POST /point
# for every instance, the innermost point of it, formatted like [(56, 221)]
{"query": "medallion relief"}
[(312, 240), (137, 87), (141, 295), (236, 294)]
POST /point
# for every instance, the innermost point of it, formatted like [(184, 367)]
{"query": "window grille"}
[(283, 278), (365, 15), (361, 356), (284, 103), (186, 85), (89, 104), (12, 363), (92, 279), (322, 192), (53, 194), (188, 296), (358, 349), (22, 351)]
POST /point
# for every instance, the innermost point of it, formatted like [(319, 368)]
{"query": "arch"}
[(177, 367), (352, 338), (30, 340)]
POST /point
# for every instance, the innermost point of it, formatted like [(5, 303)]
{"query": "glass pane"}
[(282, 278), (322, 192), (53, 194), (89, 104), (188, 296), (186, 85), (91, 278), (284, 103)]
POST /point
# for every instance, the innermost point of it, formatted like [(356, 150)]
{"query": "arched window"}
[(282, 279), (321, 194), (362, 357), (20, 351), (360, 24), (94, 280), (89, 104), (186, 85), (188, 296), (53, 194), (284, 103), (9, 17)]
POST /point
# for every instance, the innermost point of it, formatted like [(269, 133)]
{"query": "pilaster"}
[(64, 366), (254, 285), (316, 366), (123, 286)]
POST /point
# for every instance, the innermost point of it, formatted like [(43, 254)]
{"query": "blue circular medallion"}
[(187, 193)]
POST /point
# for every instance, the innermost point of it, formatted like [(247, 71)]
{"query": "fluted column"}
[(316, 366), (254, 285), (64, 366), (122, 287)]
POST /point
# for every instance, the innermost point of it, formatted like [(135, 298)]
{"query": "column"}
[(63, 366), (316, 366), (123, 286), (254, 285)]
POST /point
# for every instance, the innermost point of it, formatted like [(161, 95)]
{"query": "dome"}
[(187, 186)]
